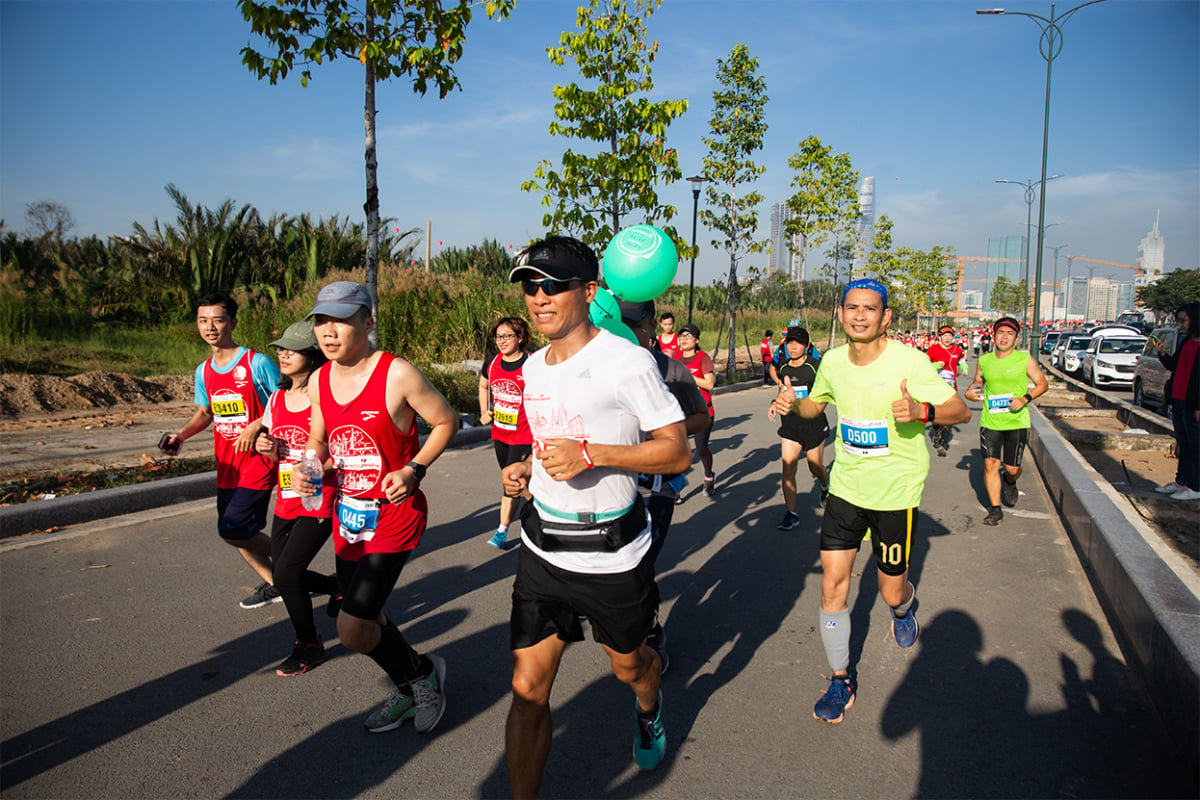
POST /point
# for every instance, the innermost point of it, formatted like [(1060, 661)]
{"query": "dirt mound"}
[(25, 395)]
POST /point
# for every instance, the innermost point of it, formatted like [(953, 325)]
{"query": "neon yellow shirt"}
[(879, 464), (1004, 379)]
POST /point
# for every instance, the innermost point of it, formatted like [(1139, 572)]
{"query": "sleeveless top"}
[(234, 403), (696, 365), (290, 429), (507, 387), (1004, 379), (365, 446)]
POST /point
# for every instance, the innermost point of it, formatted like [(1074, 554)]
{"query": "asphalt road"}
[(129, 670)]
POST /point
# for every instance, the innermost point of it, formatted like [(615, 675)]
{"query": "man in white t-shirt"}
[(600, 414)]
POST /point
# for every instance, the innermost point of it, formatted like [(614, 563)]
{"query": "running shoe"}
[(905, 629), (824, 494), (397, 707), (303, 658), (1010, 493), (790, 520), (837, 698), (941, 452), (1170, 488), (264, 594), (656, 640), (710, 486), (499, 540), (994, 516), (1185, 493), (650, 743), (430, 697), (678, 499)]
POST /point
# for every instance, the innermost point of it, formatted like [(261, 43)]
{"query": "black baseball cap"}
[(798, 334), (635, 312), (692, 329), (555, 258)]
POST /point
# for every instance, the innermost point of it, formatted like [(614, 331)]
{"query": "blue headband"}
[(866, 283)]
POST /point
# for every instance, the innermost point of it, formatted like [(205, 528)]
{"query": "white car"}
[(1111, 358), (1071, 356)]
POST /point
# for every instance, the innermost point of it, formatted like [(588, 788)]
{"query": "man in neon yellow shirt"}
[(1001, 381), (885, 394)]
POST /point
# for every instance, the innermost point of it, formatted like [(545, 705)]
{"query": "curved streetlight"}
[(1050, 45), (1030, 193), (695, 180)]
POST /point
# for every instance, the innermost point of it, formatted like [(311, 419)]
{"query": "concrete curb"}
[(1153, 607), (39, 515)]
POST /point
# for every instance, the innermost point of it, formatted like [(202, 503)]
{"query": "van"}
[(1111, 356), (1149, 374)]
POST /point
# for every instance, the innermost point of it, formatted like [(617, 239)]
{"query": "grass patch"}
[(25, 489)]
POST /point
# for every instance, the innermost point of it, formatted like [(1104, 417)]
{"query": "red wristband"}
[(587, 459)]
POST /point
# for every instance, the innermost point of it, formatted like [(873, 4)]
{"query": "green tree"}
[(593, 196), (882, 261), (825, 202), (1007, 297), (416, 39), (1175, 289), (737, 129)]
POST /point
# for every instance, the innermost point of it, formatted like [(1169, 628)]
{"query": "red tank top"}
[(669, 344), (291, 429), (234, 403), (365, 446), (698, 365), (509, 424)]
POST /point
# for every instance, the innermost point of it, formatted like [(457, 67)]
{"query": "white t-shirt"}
[(610, 392)]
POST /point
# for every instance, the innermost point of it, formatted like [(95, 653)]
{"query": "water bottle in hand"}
[(311, 468)]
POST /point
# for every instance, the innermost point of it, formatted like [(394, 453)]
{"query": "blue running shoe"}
[(837, 698), (650, 744), (790, 520), (499, 540), (905, 628)]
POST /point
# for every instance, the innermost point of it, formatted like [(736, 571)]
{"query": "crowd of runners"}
[(591, 435)]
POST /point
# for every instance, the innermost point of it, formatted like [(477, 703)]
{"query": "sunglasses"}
[(549, 286)]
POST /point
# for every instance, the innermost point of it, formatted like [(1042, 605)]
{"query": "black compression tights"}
[(366, 585), (294, 544)]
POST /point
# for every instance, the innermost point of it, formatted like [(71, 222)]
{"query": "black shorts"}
[(846, 524), (809, 433), (621, 607), (511, 453), (242, 512), (1008, 446)]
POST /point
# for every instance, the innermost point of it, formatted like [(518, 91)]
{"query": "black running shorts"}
[(549, 601), (1008, 446), (511, 453), (846, 524)]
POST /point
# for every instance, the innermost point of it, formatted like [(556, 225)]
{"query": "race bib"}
[(947, 375), (999, 403), (357, 518), (801, 391), (285, 481), (865, 437), (505, 418), (230, 410)]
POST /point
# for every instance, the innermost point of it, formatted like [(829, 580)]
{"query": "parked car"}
[(1070, 358), (1110, 357), (1049, 340), (1149, 374)]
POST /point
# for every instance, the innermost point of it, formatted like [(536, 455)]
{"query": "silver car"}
[(1149, 374), (1110, 358), (1071, 361)]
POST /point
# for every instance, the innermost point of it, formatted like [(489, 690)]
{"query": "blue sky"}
[(102, 104)]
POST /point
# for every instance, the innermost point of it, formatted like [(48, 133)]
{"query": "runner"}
[(297, 533), (659, 492), (365, 404), (231, 388), (501, 384), (766, 350), (701, 366), (885, 393), (1001, 381), (668, 340), (796, 434), (947, 358), (591, 398)]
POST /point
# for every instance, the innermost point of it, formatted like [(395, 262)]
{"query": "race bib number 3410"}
[(864, 437)]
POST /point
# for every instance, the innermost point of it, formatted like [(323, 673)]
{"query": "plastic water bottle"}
[(311, 468)]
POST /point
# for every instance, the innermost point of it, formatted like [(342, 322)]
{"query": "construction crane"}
[(1140, 272), (958, 312)]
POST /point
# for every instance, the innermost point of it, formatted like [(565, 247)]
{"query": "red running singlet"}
[(234, 403)]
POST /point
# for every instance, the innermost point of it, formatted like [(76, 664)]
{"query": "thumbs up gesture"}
[(782, 405), (906, 409)]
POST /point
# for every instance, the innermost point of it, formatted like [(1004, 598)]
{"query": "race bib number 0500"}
[(864, 437)]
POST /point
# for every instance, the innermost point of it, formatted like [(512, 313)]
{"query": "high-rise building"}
[(865, 227), (1101, 300), (1012, 250), (1153, 249), (1077, 299), (780, 256), (1124, 297)]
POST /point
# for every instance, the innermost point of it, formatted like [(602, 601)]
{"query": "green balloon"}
[(619, 328), (603, 307), (640, 263)]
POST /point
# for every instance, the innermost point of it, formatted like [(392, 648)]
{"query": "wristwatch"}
[(418, 470)]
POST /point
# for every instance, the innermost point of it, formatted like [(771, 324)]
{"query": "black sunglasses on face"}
[(549, 286)]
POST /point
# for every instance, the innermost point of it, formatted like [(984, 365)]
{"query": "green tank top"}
[(1004, 379)]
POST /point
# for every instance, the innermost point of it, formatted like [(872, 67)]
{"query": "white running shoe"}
[(1186, 494), (1170, 488)]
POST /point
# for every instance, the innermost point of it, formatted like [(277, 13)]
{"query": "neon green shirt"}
[(1003, 380), (879, 464)]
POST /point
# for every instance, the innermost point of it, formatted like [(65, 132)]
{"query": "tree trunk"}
[(731, 367), (371, 207)]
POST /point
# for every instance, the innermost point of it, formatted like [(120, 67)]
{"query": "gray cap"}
[(298, 336), (341, 299)]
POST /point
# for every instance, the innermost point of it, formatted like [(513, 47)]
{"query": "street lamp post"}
[(1054, 306), (1030, 193), (695, 180), (1049, 45)]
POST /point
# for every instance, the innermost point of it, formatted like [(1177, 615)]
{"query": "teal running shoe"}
[(650, 744)]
